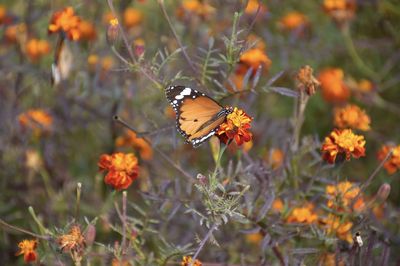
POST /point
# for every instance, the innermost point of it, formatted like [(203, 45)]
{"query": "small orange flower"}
[(120, 262), (16, 33), (132, 17), (122, 169), (351, 116), (35, 49), (73, 241), (333, 87), (293, 21), (341, 11), (393, 163), (277, 205), (256, 42), (196, 7), (187, 260), (306, 81), (87, 30), (343, 196), (365, 86), (236, 127), (275, 158), (36, 119), (131, 140), (66, 21), (28, 248), (304, 214), (343, 142), (329, 259), (253, 58), (252, 7), (334, 225), (254, 238)]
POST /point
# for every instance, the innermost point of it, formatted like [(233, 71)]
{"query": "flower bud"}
[(112, 31), (383, 192)]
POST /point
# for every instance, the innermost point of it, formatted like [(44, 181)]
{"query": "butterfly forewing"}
[(197, 115)]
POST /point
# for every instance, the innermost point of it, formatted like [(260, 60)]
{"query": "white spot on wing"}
[(179, 97), (186, 91)]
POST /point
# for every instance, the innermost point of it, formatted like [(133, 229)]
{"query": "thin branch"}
[(202, 243), (15, 228)]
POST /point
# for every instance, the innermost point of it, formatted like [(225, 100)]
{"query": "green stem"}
[(43, 230)]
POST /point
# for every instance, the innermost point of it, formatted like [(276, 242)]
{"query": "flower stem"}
[(202, 243)]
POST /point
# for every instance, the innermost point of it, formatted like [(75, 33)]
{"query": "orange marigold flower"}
[(36, 119), (343, 142), (28, 248), (351, 116), (253, 58), (293, 20), (66, 21), (16, 33), (306, 81), (132, 17), (196, 7), (73, 241), (341, 11), (236, 127), (304, 214), (277, 205), (122, 169), (365, 86), (393, 163), (333, 87), (35, 49), (87, 30), (343, 196), (254, 238), (187, 260), (131, 140), (334, 225), (252, 7)]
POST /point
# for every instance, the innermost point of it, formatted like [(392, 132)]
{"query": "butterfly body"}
[(198, 117)]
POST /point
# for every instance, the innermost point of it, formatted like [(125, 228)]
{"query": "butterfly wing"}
[(197, 115)]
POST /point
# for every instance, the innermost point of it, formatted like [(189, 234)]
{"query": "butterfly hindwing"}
[(197, 115)]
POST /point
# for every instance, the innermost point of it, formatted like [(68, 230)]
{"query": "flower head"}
[(236, 127), (36, 119), (253, 59), (130, 139), (132, 17), (332, 85), (73, 241), (294, 21), (304, 214), (122, 169), (28, 249), (195, 7), (36, 48), (66, 21), (341, 11), (187, 260), (252, 7), (344, 196), (275, 158), (393, 163), (334, 225), (87, 31), (351, 116), (306, 80), (343, 142)]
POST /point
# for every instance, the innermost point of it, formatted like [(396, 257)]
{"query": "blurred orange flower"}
[(351, 116), (253, 58), (16, 33), (306, 81), (365, 86), (343, 142), (252, 7), (254, 238), (36, 48), (131, 140), (87, 30), (304, 214), (329, 259), (73, 241), (277, 205), (393, 163), (122, 169), (333, 87), (36, 119), (3, 14), (132, 17), (275, 158), (343, 196), (196, 7), (66, 21), (236, 127), (187, 261), (340, 10), (28, 249), (293, 20), (120, 262), (334, 225)]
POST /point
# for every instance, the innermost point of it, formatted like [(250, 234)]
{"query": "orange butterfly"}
[(198, 116)]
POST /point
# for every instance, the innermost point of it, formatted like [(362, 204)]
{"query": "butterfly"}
[(198, 116)]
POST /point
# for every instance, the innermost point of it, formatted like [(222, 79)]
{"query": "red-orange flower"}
[(343, 142), (132, 17), (393, 163), (341, 11), (66, 21), (122, 169), (293, 20), (36, 48), (236, 127), (351, 116), (253, 58), (252, 7), (28, 248), (332, 85), (130, 139), (187, 260)]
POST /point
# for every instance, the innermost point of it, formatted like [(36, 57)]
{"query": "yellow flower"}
[(187, 260), (236, 127), (343, 196), (343, 143), (332, 85), (393, 163), (333, 225), (351, 116), (304, 214)]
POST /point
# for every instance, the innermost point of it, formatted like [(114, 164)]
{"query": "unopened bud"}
[(383, 192), (112, 31), (90, 234), (202, 179)]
